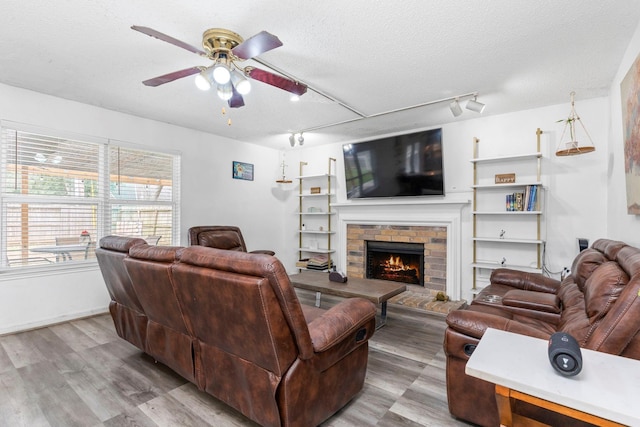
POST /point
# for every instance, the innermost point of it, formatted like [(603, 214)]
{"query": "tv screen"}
[(396, 166)]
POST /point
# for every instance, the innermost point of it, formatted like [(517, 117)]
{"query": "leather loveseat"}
[(231, 323), (598, 304)]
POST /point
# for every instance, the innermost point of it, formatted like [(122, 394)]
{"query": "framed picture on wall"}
[(629, 88), (243, 171)]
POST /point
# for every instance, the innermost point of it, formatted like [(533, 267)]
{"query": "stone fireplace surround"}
[(415, 219)]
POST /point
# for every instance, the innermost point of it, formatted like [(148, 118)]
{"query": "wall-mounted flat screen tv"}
[(395, 166)]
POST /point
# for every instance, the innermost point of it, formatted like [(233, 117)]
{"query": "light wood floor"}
[(80, 373)]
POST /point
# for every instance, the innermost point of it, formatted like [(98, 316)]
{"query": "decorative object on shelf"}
[(283, 180), (242, 171), (314, 190), (505, 178), (571, 146)]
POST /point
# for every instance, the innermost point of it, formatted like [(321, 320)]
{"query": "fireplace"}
[(395, 261)]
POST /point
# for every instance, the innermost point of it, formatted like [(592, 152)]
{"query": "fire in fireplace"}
[(395, 261)]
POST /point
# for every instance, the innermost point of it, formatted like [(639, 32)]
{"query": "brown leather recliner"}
[(221, 237), (128, 315), (253, 345), (598, 304)]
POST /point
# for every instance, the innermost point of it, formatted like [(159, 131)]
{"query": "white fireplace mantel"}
[(439, 213)]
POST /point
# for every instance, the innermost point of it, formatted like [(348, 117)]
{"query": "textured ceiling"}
[(373, 56)]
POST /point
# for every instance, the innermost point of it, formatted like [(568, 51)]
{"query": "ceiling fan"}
[(226, 49)]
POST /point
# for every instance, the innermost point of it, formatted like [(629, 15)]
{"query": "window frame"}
[(103, 202)]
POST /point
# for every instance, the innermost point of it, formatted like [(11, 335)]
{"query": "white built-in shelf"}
[(316, 232), (323, 175), (507, 158), (316, 213), (506, 185), (317, 250), (315, 194), (499, 240), (493, 265), (507, 212)]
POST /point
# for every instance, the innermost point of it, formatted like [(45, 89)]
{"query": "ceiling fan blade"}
[(276, 80), (236, 100), (160, 80), (255, 45), (160, 36)]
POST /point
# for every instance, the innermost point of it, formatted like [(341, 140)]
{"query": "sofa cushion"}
[(602, 289), (227, 240), (584, 264)]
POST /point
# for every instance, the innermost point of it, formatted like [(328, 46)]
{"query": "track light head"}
[(456, 110), (301, 139), (292, 139), (474, 105)]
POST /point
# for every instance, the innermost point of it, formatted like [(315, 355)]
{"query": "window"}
[(141, 193), (59, 195)]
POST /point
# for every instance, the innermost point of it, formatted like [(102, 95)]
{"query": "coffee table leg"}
[(318, 295), (383, 315)]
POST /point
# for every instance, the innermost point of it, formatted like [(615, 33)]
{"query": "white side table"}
[(605, 392)]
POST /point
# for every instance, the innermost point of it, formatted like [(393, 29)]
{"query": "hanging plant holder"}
[(570, 146)]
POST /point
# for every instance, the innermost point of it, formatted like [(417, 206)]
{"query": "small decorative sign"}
[(505, 178), (243, 171), (315, 190)]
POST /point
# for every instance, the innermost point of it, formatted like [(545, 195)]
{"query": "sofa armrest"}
[(474, 323), (529, 300), (263, 251), (525, 281), (341, 321)]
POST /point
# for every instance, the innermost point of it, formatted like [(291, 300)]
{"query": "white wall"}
[(577, 196), (622, 226), (209, 196)]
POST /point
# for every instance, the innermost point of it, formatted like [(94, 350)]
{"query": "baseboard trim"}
[(43, 323)]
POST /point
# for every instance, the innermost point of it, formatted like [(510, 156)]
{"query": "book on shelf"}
[(523, 201), (318, 262)]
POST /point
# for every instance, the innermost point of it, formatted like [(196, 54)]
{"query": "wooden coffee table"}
[(376, 291)]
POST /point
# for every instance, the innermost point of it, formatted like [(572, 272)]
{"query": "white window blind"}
[(142, 193), (59, 195), (51, 197)]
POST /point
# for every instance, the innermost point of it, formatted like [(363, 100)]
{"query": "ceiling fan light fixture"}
[(221, 73), (242, 85), (455, 108), (474, 105), (202, 82), (225, 92)]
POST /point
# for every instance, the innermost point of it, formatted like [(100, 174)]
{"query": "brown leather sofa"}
[(231, 323), (598, 304), (221, 237)]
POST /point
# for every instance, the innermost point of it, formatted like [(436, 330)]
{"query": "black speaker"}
[(564, 354)]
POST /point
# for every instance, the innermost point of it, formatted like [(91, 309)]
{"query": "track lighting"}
[(454, 105), (474, 105), (292, 139), (456, 110)]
